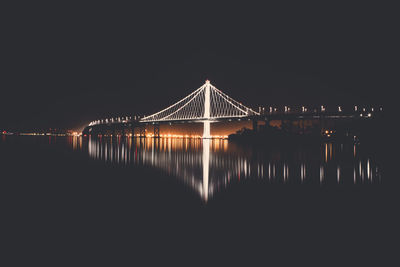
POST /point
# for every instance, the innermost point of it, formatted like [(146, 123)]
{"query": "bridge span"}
[(208, 104)]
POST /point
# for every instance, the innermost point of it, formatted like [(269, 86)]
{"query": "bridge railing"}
[(320, 110)]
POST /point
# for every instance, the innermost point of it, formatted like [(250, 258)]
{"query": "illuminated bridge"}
[(205, 104), (208, 104)]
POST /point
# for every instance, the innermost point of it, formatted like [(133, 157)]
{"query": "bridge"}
[(208, 104)]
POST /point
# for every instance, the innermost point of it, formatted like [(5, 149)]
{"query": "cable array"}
[(192, 107)]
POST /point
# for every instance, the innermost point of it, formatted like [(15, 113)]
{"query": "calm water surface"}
[(209, 166), (104, 198)]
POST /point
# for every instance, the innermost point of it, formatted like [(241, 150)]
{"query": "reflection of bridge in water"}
[(207, 166)]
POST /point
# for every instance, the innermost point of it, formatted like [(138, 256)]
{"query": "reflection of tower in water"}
[(206, 167)]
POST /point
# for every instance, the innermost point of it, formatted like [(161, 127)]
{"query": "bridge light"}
[(322, 108), (303, 109), (372, 109), (339, 108), (355, 108)]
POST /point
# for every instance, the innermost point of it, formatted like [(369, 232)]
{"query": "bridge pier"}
[(206, 130), (132, 130), (156, 130), (142, 132)]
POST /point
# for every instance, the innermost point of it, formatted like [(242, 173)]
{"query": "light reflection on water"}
[(207, 166)]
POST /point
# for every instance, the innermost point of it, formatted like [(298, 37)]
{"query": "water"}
[(209, 166), (66, 198)]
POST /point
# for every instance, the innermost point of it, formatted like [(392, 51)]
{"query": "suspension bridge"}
[(205, 105), (208, 104)]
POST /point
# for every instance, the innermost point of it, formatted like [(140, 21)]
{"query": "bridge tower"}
[(206, 123)]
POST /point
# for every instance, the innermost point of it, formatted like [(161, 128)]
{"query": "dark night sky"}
[(64, 65)]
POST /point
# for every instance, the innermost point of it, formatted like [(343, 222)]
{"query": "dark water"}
[(80, 201)]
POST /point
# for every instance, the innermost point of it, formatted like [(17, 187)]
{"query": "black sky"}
[(63, 65)]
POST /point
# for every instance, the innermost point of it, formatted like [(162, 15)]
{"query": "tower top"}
[(207, 81)]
